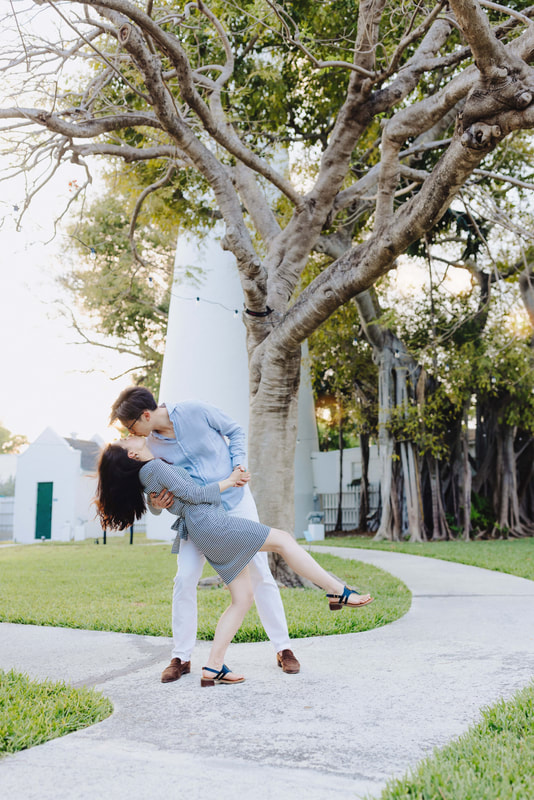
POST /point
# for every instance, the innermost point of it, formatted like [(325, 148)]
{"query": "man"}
[(192, 435)]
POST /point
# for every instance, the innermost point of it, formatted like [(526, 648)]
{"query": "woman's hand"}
[(239, 477), (242, 475)]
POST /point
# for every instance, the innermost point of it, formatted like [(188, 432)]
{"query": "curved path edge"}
[(364, 708)]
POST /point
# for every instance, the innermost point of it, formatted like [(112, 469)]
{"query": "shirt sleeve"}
[(151, 508), (228, 427), (184, 487)]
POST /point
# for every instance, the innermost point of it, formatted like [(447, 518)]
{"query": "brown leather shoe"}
[(286, 659), (175, 670)]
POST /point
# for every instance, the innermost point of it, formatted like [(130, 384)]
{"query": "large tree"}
[(159, 83)]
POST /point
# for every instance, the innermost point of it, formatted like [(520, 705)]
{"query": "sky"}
[(48, 379)]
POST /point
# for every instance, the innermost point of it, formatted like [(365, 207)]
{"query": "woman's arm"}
[(238, 478), (182, 486)]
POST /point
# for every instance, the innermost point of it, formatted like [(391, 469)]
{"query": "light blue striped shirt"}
[(200, 446)]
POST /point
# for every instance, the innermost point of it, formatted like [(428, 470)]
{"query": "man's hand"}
[(164, 499)]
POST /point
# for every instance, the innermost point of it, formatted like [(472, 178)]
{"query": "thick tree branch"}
[(85, 129), (395, 130), (172, 47), (359, 269), (506, 81), (130, 154), (256, 203)]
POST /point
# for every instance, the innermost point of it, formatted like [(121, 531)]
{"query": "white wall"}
[(85, 508), (48, 459), (8, 466), (205, 351), (326, 468)]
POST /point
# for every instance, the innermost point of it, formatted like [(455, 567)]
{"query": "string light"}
[(198, 300), (152, 279)]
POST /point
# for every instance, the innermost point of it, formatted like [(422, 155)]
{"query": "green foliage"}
[(427, 425), (129, 589), (33, 712), (482, 515), (126, 300), (7, 487), (344, 376), (11, 442), (470, 230), (467, 352)]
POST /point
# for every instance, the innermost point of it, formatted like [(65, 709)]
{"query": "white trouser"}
[(184, 599)]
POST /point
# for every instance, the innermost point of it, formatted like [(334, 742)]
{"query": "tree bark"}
[(339, 519), (467, 478), (363, 513)]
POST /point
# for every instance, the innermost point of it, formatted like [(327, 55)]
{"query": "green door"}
[(43, 518)]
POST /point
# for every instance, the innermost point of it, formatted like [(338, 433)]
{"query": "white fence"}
[(7, 506), (350, 507)]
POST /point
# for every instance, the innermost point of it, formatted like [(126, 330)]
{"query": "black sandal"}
[(220, 677), (343, 600)]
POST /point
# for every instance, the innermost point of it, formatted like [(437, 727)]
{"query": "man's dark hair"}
[(131, 403)]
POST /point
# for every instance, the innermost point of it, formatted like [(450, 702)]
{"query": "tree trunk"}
[(506, 502), (386, 447), (440, 527), (467, 477), (272, 435), (524, 445), (364, 485), (339, 520), (410, 465)]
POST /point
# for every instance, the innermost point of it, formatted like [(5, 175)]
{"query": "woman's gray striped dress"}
[(228, 543)]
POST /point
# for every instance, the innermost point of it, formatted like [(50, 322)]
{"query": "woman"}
[(127, 470)]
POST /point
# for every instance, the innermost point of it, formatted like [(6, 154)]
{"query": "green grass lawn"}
[(32, 712), (515, 556), (118, 587), (124, 588), (494, 760)]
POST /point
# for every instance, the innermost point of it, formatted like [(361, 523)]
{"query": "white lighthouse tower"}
[(206, 359)]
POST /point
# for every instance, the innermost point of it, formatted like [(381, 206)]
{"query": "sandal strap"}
[(218, 673), (344, 597)]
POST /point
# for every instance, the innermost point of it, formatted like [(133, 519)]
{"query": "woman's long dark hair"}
[(120, 499)]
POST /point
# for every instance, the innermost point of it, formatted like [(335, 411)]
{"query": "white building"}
[(55, 486)]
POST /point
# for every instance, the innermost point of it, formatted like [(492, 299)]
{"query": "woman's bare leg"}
[(304, 564), (229, 622)]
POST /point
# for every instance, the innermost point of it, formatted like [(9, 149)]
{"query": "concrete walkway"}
[(364, 708)]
